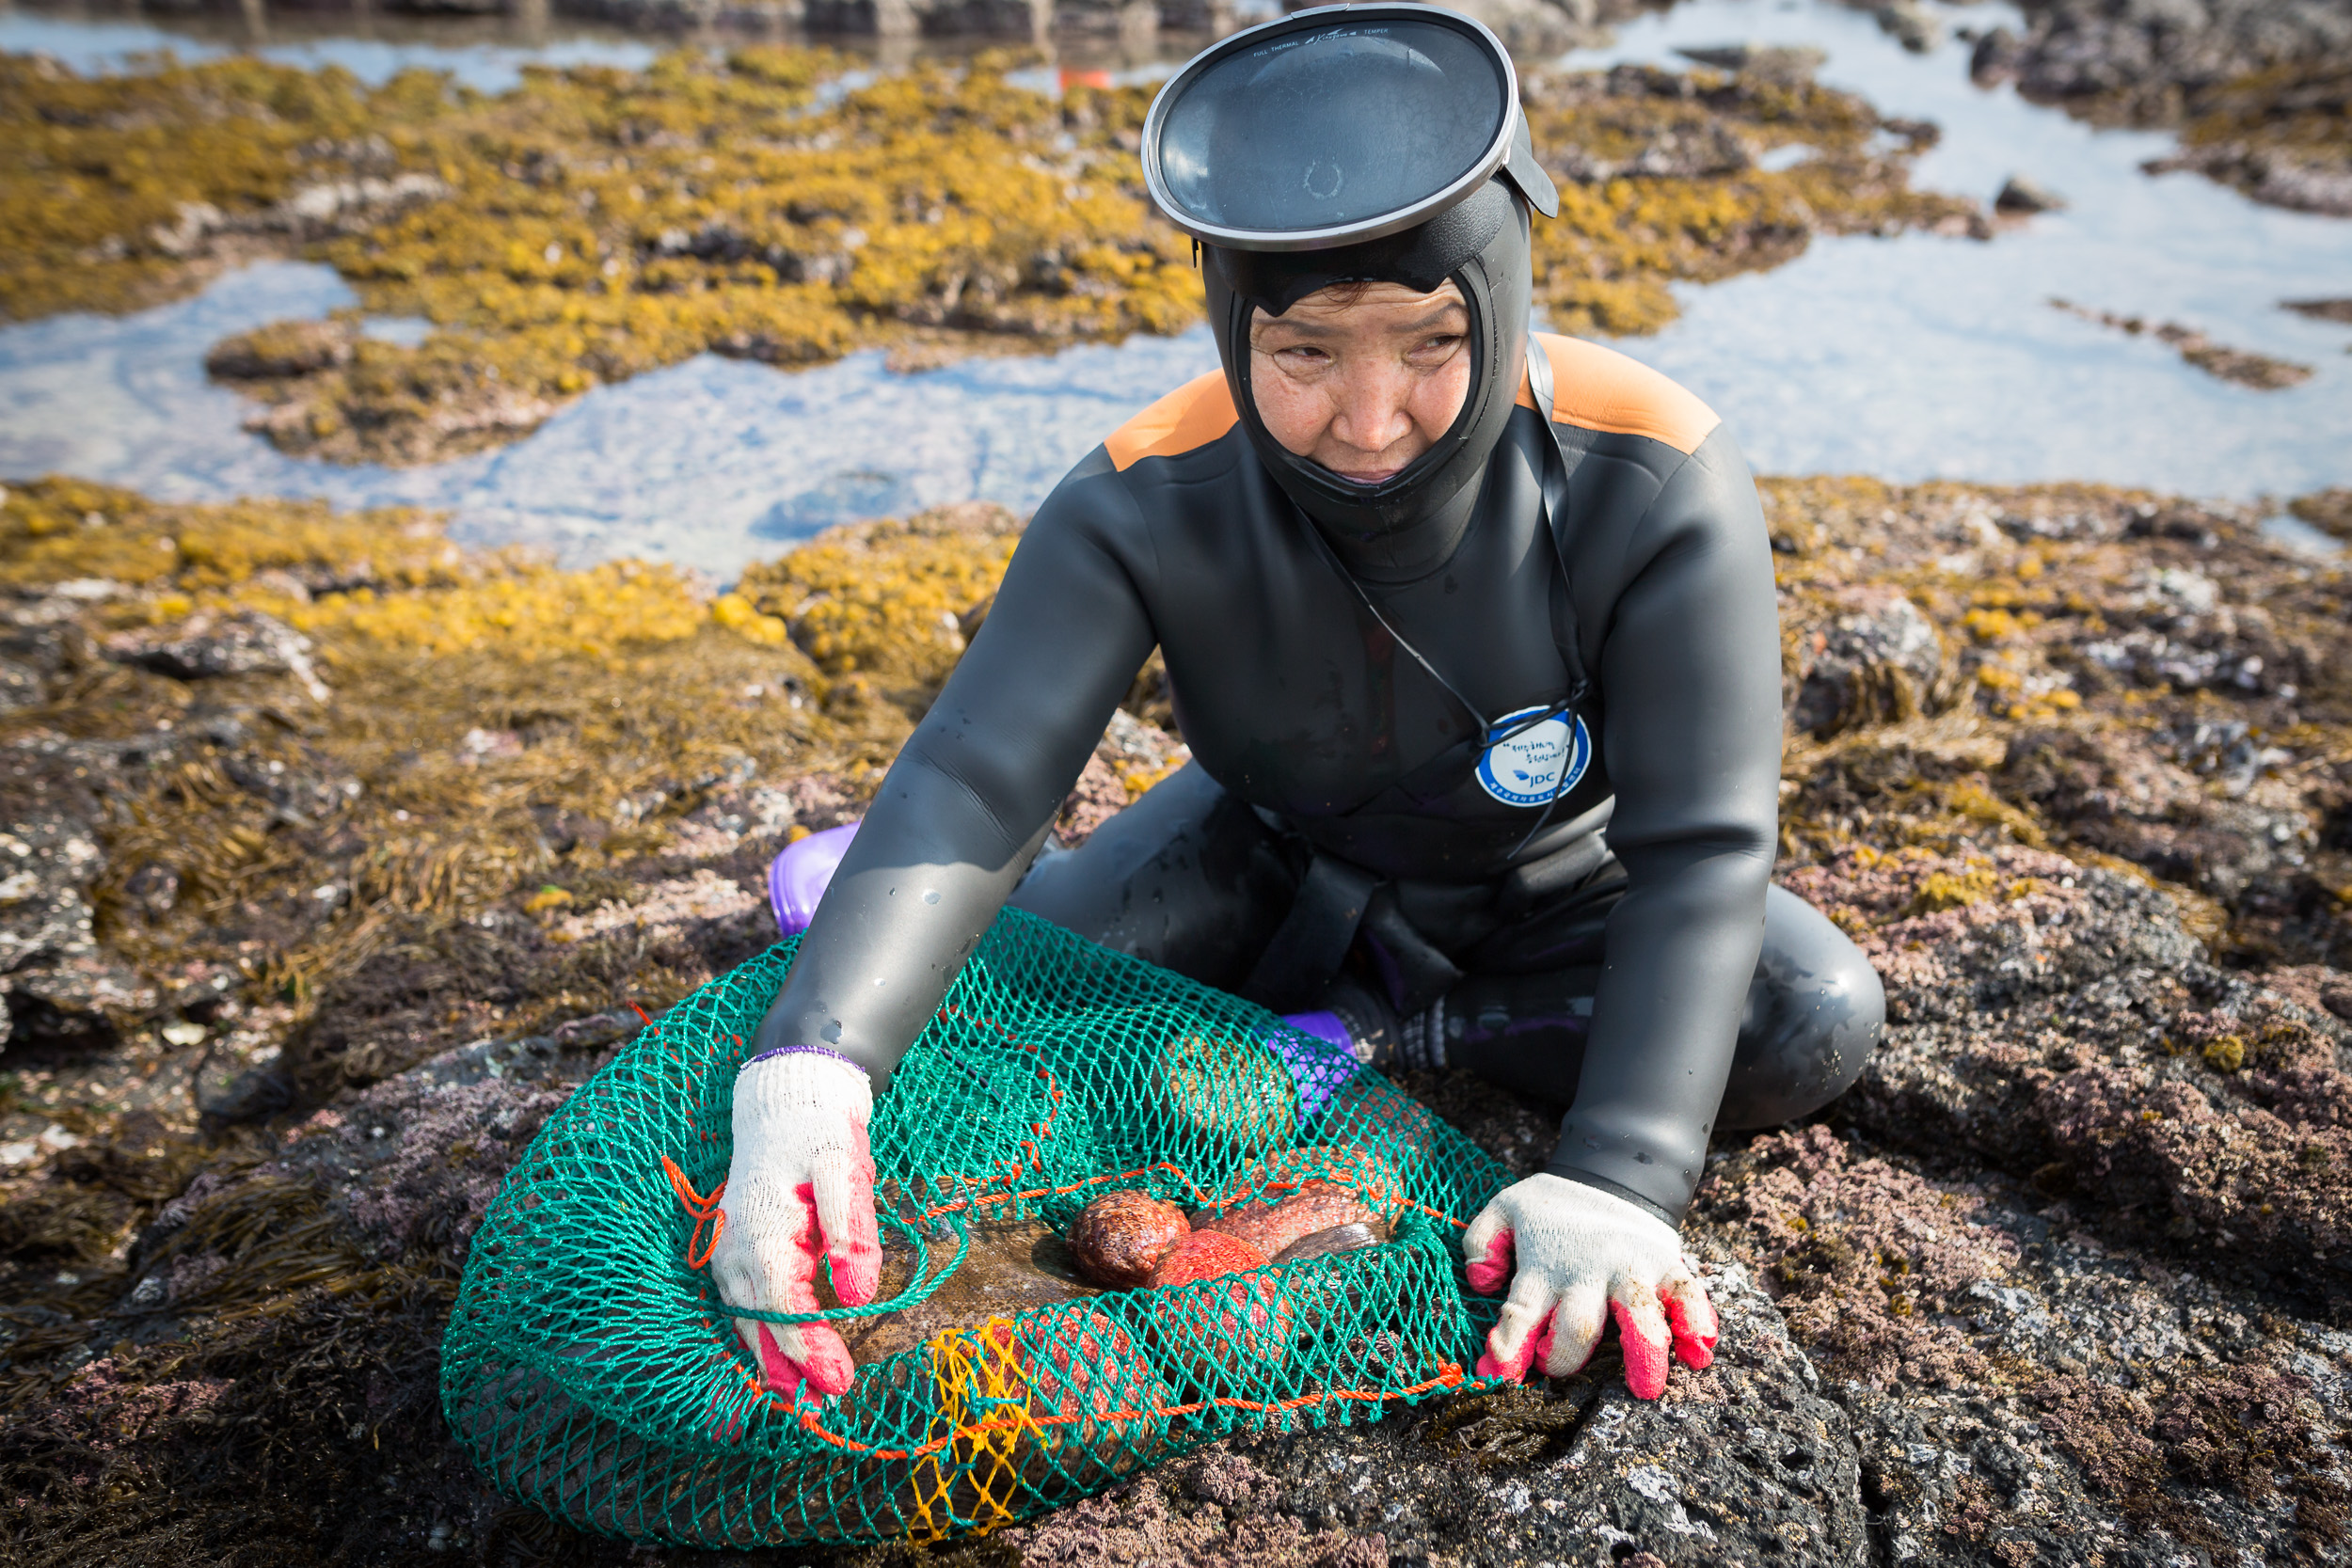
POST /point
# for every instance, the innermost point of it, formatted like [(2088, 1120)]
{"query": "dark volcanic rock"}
[(2020, 194), (1876, 660), (1997, 56), (206, 646), (1775, 62), (2256, 83), (2262, 372), (2060, 1281), (2152, 49), (2054, 1022), (21, 686), (1983, 1368), (280, 349), (2322, 310), (2133, 802), (47, 862), (1745, 1462), (1749, 1461), (58, 985), (2022, 1393), (2272, 175), (1911, 24), (2327, 510)]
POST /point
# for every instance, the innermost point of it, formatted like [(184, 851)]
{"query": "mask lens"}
[(1323, 129)]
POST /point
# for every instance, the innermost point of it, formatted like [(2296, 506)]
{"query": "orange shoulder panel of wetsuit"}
[(1601, 390), (1192, 416)]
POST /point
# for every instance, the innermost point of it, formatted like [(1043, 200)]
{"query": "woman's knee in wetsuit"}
[(1187, 878), (1191, 879), (1815, 1012)]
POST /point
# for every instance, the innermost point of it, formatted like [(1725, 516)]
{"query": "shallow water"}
[(2299, 536), (710, 464), (1923, 357), (1911, 358), (487, 53)]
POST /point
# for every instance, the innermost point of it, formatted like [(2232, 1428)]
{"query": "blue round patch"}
[(1540, 764)]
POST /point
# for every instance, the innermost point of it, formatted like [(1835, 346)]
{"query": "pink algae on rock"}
[(1864, 1258), (1919, 917), (453, 1149), (2053, 1016)]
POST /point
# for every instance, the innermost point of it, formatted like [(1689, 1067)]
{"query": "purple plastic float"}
[(797, 877)]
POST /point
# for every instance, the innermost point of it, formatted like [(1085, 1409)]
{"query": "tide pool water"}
[(492, 64), (710, 464), (1910, 359), (1922, 358)]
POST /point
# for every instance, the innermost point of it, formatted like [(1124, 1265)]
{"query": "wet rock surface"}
[(2063, 1279), (58, 985), (1748, 1463), (206, 647), (1773, 62), (2020, 194), (1879, 659), (2329, 510), (2153, 51), (2065, 1030)]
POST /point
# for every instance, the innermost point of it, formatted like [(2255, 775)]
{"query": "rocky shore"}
[(769, 204), (334, 855), (337, 854), (1535, 26)]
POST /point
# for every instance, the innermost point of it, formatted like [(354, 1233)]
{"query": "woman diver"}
[(1473, 634)]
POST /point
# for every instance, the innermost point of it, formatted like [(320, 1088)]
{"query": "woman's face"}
[(1363, 378)]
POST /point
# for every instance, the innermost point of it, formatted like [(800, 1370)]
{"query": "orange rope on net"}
[(1448, 1376), (704, 1210), (594, 1378)]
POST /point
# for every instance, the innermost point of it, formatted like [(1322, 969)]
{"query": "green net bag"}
[(591, 1371)]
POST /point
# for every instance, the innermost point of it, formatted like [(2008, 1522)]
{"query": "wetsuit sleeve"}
[(1690, 677), (969, 799)]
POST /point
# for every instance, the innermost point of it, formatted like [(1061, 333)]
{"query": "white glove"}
[(1583, 1254), (801, 1186)]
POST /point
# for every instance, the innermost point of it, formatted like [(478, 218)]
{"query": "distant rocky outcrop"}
[(2258, 87), (1535, 27), (2147, 56)]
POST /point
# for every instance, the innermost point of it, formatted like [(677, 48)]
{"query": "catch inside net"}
[(591, 1371)]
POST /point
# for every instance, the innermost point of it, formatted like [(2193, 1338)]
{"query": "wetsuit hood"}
[(1285, 150), (1482, 245)]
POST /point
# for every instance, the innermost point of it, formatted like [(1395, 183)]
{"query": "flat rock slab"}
[(1747, 1462)]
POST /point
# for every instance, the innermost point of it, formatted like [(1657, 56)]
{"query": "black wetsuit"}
[(1333, 765)]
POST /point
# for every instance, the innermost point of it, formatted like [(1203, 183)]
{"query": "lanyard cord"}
[(1322, 548), (1540, 379), (1488, 731), (1554, 484)]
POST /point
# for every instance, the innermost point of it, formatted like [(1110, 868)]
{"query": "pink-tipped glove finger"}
[(1522, 1330), (800, 1192), (1691, 1317), (1574, 1255)]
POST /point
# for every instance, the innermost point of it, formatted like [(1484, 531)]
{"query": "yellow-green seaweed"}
[(594, 223)]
